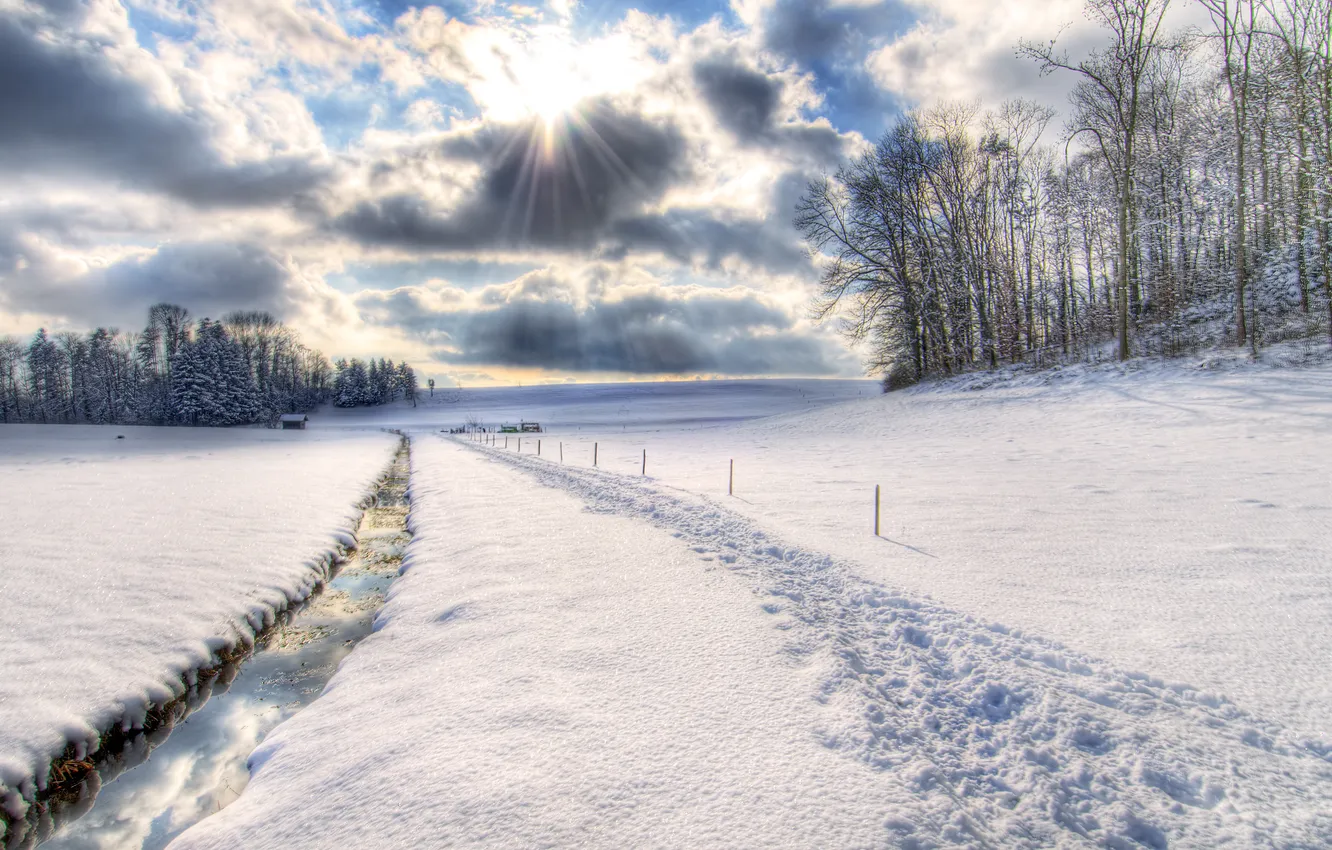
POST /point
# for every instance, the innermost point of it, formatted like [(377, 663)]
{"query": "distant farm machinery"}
[(520, 428)]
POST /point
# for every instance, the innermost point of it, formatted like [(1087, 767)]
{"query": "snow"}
[(542, 676), (630, 407), (1176, 522), (132, 554), (1099, 615)]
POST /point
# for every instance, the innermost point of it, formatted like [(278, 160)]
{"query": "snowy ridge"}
[(218, 571), (1001, 739), (1237, 361)]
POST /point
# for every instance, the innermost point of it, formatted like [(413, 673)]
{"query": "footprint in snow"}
[(1257, 503)]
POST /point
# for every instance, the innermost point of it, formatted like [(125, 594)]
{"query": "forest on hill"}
[(1186, 202)]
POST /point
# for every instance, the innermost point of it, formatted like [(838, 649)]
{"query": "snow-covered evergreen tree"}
[(48, 384), (242, 396), (372, 383), (243, 370), (190, 394), (407, 379), (354, 389)]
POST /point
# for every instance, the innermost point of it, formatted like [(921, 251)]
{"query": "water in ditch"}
[(168, 779)]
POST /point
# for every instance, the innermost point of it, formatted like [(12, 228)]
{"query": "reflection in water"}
[(195, 763)]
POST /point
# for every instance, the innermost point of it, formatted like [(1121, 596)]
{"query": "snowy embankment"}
[(130, 562), (661, 671)]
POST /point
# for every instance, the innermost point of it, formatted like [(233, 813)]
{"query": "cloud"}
[(698, 236), (960, 50), (83, 103), (608, 182), (822, 31), (748, 102), (557, 187), (544, 321), (743, 100), (963, 50), (130, 149), (210, 279), (834, 40)]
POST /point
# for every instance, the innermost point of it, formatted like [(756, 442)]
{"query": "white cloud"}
[(966, 50), (961, 50)]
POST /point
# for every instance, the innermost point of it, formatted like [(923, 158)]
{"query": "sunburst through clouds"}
[(560, 167)]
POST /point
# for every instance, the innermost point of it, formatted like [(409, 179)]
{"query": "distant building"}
[(293, 421), (521, 428)]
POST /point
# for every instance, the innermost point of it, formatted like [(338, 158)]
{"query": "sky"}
[(496, 192)]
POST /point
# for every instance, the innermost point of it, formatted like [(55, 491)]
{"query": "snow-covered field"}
[(1174, 522), (1099, 616), (574, 408), (128, 562)]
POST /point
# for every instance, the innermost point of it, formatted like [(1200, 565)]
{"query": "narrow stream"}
[(168, 779)]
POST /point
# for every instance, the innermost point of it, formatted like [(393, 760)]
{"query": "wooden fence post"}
[(645, 461), (520, 445), (876, 510), (561, 451), (730, 487), (538, 448), (594, 454)]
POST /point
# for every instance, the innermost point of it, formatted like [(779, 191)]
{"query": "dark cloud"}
[(585, 190), (210, 279), (742, 99), (653, 333), (641, 335), (697, 236), (67, 10), (66, 107), (834, 42), (559, 190), (745, 101), (819, 143), (817, 32)]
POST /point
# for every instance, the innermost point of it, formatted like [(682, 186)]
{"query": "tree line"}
[(247, 368), (1186, 203)]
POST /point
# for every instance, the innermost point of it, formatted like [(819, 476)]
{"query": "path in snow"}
[(1001, 740)]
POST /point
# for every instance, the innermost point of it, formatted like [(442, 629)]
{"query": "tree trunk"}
[(1241, 327), (1122, 285)]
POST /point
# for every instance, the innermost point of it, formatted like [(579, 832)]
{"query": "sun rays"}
[(568, 170)]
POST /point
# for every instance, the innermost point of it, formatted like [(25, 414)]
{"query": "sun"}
[(542, 74), (551, 78)]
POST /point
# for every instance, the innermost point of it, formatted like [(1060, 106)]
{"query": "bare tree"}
[(1236, 28), (1107, 104)]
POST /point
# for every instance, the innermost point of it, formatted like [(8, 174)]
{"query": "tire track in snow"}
[(1004, 739)]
